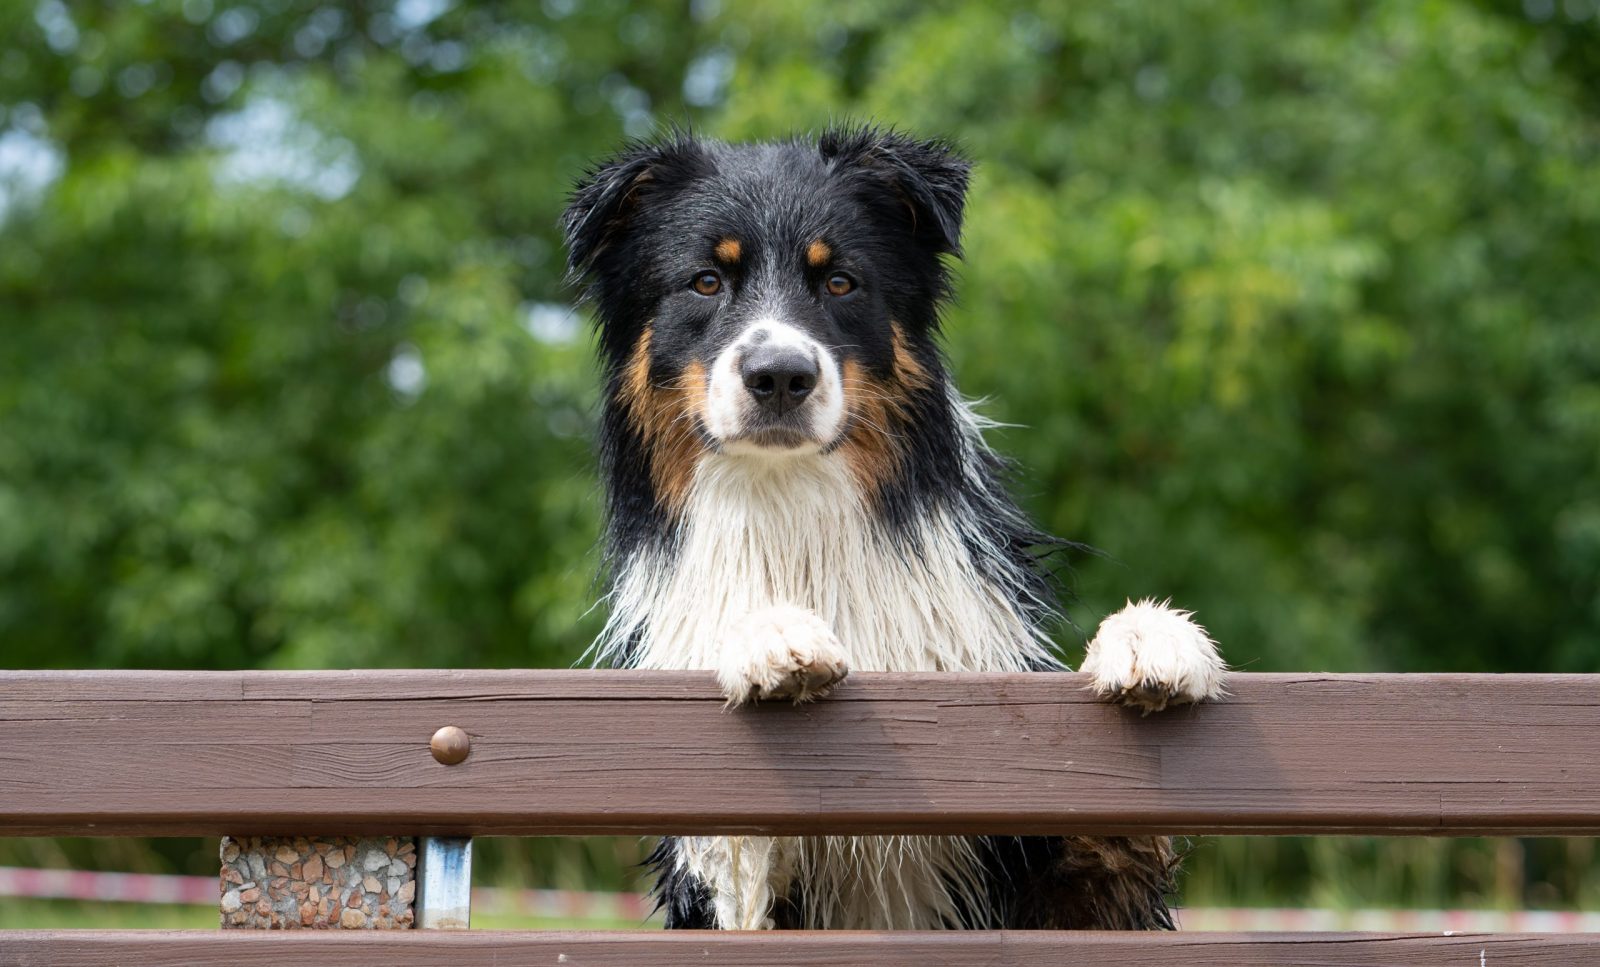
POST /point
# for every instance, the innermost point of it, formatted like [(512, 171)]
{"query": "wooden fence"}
[(575, 752)]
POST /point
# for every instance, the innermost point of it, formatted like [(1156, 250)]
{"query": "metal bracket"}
[(444, 882)]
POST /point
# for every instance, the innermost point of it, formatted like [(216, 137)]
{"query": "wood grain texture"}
[(582, 752), (421, 948)]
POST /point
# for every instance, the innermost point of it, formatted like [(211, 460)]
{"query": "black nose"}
[(779, 377)]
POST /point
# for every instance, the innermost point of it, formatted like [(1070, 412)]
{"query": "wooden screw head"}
[(450, 745)]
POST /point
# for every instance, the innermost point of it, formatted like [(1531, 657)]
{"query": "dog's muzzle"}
[(774, 388)]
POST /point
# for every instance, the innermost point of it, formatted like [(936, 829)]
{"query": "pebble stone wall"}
[(318, 882)]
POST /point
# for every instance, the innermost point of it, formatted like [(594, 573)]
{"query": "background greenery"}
[(1296, 308)]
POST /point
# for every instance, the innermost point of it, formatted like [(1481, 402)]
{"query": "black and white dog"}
[(796, 489)]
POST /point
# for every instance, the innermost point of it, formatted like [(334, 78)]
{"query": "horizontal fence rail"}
[(583, 752), (945, 949)]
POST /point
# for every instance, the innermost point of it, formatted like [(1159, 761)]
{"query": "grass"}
[(16, 914), (75, 914)]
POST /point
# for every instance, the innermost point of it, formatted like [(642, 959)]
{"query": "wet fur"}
[(925, 563)]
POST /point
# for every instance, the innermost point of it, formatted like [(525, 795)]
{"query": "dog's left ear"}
[(609, 195), (930, 177)]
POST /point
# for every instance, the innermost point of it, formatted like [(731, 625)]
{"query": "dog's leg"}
[(781, 652), (742, 874), (1150, 655), (774, 653)]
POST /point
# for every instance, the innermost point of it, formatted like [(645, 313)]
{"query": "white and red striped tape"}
[(578, 905), (127, 887)]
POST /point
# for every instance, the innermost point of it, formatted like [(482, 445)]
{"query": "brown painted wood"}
[(422, 948), (580, 752)]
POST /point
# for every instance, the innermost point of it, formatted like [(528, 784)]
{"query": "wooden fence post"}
[(290, 882)]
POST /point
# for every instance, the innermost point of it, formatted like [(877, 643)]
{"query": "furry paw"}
[(1150, 655), (781, 652)]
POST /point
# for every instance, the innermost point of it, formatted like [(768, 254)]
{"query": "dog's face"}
[(771, 300)]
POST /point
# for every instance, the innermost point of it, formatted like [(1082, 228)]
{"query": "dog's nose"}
[(779, 377)]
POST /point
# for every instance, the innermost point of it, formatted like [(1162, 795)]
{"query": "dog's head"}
[(769, 301)]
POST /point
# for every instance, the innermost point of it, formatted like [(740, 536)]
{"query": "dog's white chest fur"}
[(793, 531), (764, 533)]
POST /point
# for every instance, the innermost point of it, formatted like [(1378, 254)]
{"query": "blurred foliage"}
[(1296, 308)]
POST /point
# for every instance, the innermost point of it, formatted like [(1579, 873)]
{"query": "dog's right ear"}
[(611, 192)]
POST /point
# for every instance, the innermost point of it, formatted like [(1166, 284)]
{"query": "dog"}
[(795, 489)]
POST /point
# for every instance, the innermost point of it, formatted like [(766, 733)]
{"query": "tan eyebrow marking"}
[(818, 253), (729, 250)]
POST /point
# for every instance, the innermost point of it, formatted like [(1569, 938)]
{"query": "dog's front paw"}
[(1149, 656), (781, 652)]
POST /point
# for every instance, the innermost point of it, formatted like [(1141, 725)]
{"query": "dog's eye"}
[(840, 284), (707, 283)]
